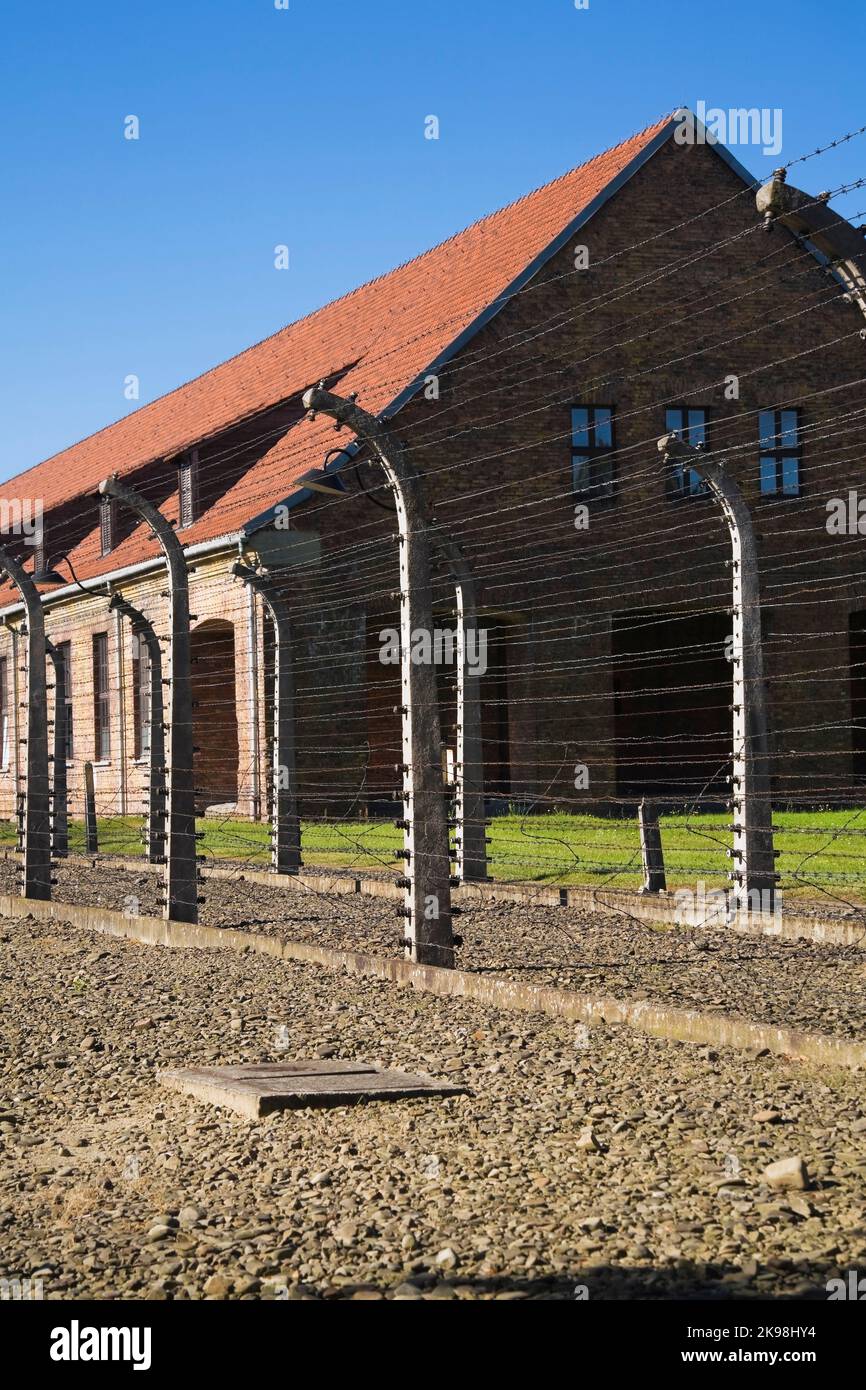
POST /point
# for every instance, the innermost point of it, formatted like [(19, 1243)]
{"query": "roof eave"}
[(229, 541)]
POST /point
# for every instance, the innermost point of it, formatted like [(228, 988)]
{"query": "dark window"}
[(141, 695), (779, 443), (593, 472), (64, 651), (857, 647), (691, 426), (5, 732), (107, 510), (188, 487), (101, 706)]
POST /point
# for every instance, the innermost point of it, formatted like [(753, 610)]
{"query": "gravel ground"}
[(600, 1160), (795, 984)]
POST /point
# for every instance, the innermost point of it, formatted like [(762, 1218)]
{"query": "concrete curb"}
[(654, 1019), (657, 909)]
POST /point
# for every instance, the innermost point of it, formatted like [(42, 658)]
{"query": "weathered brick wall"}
[(120, 781)]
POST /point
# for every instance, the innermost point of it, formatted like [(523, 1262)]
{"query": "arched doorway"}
[(214, 715)]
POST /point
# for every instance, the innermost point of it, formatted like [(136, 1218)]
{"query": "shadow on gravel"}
[(591, 966), (687, 1282)]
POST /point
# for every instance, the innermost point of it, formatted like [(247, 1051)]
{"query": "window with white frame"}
[(593, 468), (140, 696), (101, 698), (690, 424), (5, 712), (779, 444)]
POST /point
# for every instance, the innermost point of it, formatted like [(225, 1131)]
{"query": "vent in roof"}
[(39, 552), (107, 512), (188, 487)]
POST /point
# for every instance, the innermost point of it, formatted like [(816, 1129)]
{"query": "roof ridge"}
[(487, 216), (446, 241)]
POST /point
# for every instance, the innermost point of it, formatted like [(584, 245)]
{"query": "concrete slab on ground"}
[(258, 1088)]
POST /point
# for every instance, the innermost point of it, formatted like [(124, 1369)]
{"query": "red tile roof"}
[(391, 328)]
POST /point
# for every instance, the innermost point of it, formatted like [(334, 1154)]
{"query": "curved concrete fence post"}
[(427, 880), (833, 236), (59, 799), (36, 831), (181, 877), (754, 876), (156, 792), (470, 826), (285, 820)]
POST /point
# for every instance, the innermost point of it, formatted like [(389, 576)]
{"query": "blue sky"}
[(305, 127)]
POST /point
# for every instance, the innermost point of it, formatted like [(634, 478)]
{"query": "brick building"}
[(529, 363)]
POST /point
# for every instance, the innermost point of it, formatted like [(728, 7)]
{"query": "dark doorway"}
[(384, 748), (494, 714), (383, 719), (672, 685), (214, 715), (494, 708), (857, 650)]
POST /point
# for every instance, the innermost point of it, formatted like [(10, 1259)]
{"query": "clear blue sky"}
[(261, 126)]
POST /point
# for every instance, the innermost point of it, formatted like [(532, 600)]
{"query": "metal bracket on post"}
[(285, 821), (156, 797), (470, 829), (181, 878), (36, 868), (754, 876), (427, 903), (59, 799)]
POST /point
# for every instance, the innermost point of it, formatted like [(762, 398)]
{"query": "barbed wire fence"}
[(597, 646)]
